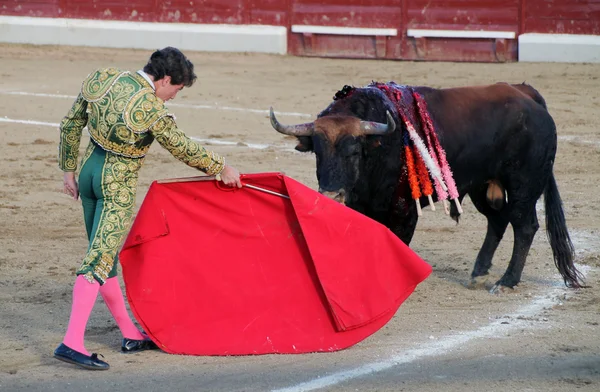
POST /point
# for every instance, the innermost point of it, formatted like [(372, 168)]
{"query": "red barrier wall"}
[(518, 16), (267, 12), (561, 16)]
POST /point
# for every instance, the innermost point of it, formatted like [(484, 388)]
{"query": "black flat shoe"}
[(64, 353), (132, 346)]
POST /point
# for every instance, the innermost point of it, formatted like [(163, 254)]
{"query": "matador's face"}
[(165, 90)]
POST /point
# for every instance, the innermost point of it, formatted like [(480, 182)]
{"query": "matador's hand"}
[(230, 176), (70, 185)]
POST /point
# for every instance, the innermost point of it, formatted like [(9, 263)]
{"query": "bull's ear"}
[(304, 144)]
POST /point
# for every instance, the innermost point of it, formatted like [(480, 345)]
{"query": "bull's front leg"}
[(403, 220)]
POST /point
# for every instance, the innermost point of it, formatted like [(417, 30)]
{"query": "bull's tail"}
[(558, 235)]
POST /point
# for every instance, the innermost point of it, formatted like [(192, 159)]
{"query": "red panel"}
[(563, 9), (133, 10), (447, 49), (336, 46), (562, 16), (463, 15), (202, 11), (38, 8), (350, 13), (470, 15), (345, 46), (439, 15), (269, 12)]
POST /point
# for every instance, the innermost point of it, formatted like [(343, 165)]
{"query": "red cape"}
[(219, 271)]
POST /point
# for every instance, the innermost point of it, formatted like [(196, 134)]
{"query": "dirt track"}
[(539, 337)]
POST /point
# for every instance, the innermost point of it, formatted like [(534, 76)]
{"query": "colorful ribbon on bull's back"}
[(425, 157)]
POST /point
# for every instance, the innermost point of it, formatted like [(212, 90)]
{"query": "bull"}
[(500, 142)]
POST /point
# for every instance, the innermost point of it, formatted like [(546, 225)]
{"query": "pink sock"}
[(84, 298), (113, 297)]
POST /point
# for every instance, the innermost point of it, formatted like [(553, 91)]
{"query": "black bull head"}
[(336, 142)]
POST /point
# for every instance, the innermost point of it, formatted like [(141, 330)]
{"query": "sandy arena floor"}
[(539, 337)]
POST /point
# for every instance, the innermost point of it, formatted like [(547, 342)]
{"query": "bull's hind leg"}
[(497, 221), (524, 221), (526, 174)]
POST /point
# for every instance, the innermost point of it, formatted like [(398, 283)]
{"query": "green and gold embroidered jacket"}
[(124, 116)]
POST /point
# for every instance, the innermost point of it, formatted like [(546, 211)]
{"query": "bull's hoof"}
[(499, 289), (479, 282)]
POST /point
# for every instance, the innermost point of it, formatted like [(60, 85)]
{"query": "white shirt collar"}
[(145, 76)]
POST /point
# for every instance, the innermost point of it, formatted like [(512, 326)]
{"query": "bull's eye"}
[(352, 151), (349, 147)]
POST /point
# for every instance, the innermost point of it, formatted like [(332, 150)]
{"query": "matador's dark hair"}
[(171, 62)]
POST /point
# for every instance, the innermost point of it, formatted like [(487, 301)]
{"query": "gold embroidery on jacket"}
[(185, 149), (107, 119), (141, 113), (99, 82), (124, 116), (71, 127)]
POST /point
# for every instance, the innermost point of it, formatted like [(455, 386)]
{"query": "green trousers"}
[(107, 186)]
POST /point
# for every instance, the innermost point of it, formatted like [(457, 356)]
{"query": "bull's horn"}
[(294, 130), (375, 128)]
